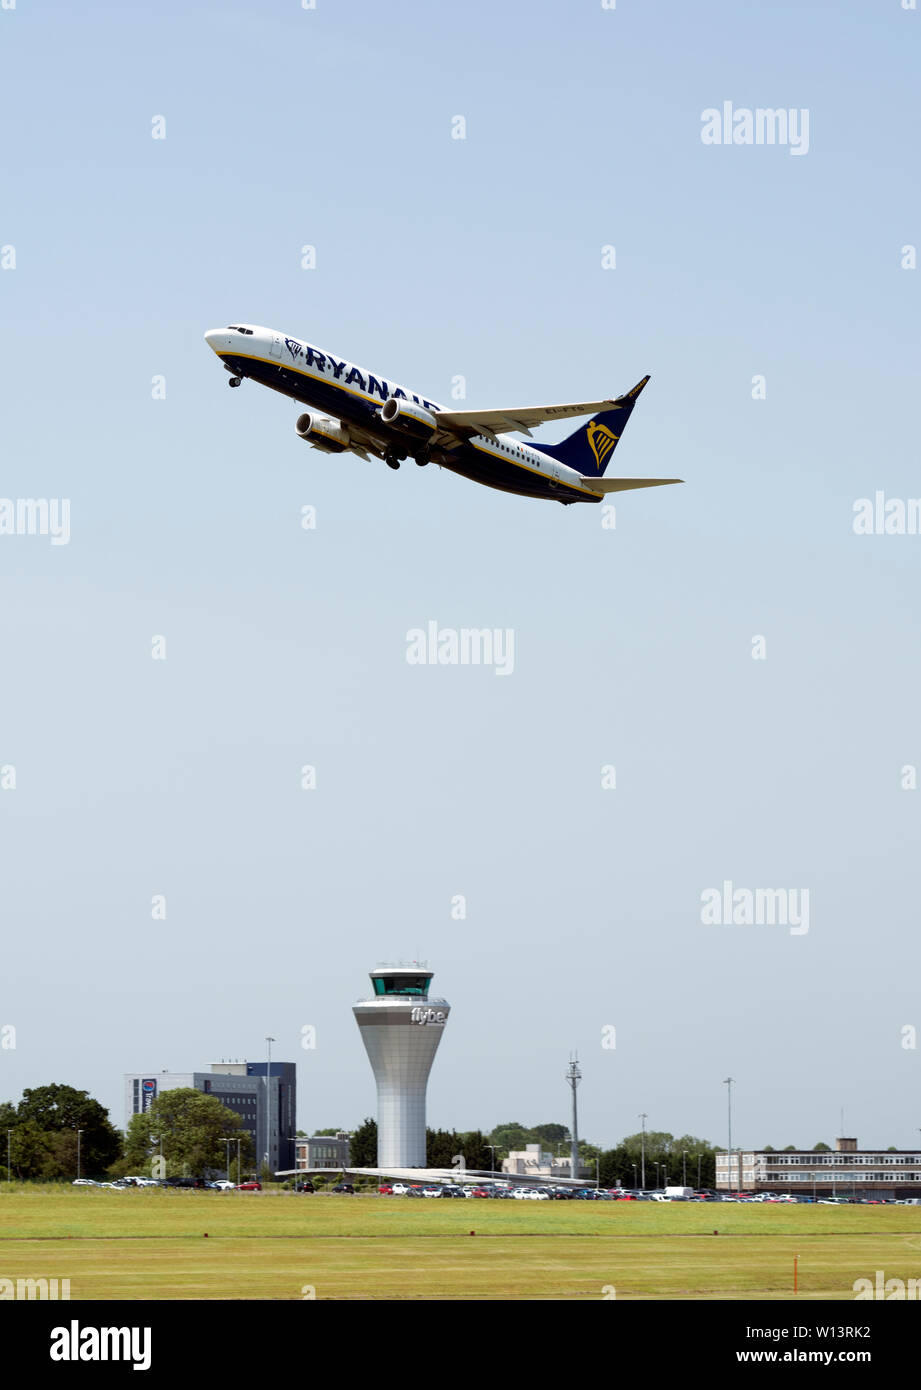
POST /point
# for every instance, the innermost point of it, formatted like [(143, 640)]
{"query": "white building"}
[(531, 1161)]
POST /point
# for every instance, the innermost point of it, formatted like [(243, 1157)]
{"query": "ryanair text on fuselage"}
[(367, 414)]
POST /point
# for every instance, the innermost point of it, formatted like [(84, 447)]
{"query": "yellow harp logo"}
[(601, 441)]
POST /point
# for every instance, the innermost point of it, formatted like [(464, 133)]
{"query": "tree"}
[(187, 1128), (45, 1125), (510, 1136), (623, 1163), (30, 1151), (473, 1145), (440, 1148), (551, 1135), (820, 1148), (363, 1145)]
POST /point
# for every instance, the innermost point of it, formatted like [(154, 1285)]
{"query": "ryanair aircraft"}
[(352, 409)]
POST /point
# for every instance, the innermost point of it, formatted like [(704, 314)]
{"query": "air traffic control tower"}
[(401, 1028)]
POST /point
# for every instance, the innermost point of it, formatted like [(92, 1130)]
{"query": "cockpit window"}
[(233, 328), (238, 328)]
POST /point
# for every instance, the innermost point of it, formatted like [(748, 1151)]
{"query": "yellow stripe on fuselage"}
[(366, 396)]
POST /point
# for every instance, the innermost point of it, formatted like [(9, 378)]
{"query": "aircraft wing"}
[(603, 485), (467, 422), (523, 418)]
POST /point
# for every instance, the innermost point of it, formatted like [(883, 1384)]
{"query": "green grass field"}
[(158, 1244)]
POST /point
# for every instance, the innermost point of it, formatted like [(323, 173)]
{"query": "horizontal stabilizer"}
[(602, 485)]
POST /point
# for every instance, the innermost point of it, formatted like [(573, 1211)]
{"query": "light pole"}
[(684, 1159), (574, 1076), (643, 1117), (698, 1172), (728, 1084), (492, 1152), (228, 1143), (79, 1132), (9, 1170), (633, 1166), (268, 1101), (596, 1173)]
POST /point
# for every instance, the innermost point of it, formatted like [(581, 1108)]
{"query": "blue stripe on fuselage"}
[(338, 399)]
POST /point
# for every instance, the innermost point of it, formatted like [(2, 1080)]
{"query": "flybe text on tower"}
[(428, 1016)]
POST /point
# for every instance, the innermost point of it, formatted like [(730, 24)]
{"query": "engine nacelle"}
[(323, 432), (413, 420)]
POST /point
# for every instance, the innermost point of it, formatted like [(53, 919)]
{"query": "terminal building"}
[(401, 1027), (241, 1086), (844, 1172)]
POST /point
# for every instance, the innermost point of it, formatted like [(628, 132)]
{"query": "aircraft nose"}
[(217, 339)]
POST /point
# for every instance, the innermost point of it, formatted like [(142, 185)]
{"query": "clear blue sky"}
[(483, 258)]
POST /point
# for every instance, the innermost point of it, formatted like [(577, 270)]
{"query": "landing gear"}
[(391, 459), (423, 457), (235, 381)]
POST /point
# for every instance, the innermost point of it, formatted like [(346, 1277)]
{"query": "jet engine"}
[(413, 420), (323, 432)]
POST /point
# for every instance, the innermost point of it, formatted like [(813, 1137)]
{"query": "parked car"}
[(385, 1190), (305, 1185), (223, 1185), (344, 1187), (252, 1186)]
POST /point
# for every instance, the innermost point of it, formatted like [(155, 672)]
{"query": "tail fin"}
[(589, 448)]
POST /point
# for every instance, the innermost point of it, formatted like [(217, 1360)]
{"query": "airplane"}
[(356, 410)]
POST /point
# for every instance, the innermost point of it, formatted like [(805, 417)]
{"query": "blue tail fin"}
[(589, 448)]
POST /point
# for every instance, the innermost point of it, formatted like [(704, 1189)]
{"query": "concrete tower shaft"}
[(401, 1027)]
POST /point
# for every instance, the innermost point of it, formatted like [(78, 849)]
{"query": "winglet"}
[(632, 394)]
